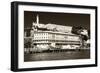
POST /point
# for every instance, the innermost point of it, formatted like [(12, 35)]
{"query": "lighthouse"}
[(35, 25), (37, 19)]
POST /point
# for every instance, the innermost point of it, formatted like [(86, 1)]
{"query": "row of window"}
[(38, 34), (62, 41), (49, 36), (55, 38)]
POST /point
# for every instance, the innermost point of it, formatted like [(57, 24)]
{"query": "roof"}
[(49, 26)]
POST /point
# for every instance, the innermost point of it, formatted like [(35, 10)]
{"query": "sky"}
[(66, 19)]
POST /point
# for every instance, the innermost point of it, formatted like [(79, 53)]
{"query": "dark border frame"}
[(14, 36)]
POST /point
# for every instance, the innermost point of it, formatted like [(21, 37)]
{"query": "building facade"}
[(52, 36)]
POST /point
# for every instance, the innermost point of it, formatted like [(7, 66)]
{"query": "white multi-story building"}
[(50, 38), (44, 35)]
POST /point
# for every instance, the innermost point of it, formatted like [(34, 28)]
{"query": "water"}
[(65, 55)]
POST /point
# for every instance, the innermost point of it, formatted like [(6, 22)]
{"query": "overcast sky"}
[(67, 19)]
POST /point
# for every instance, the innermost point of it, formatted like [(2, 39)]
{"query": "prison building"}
[(53, 35), (55, 38)]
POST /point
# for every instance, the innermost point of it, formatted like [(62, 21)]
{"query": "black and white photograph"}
[(56, 36), (52, 36)]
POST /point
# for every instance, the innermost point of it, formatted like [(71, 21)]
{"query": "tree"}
[(82, 32), (27, 42), (76, 29)]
